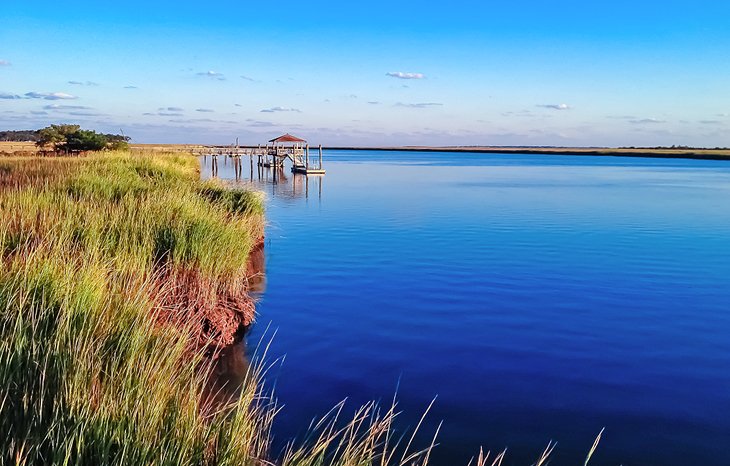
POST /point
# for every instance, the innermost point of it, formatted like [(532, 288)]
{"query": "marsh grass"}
[(90, 373), (108, 265)]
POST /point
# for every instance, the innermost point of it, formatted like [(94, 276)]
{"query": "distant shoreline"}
[(700, 154), (664, 153)]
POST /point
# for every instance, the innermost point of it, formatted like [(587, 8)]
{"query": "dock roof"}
[(287, 138)]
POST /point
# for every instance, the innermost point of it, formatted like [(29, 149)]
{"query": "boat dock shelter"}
[(274, 153)]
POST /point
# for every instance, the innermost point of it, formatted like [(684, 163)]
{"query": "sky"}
[(491, 72)]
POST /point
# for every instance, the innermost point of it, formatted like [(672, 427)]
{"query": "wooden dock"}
[(274, 154)]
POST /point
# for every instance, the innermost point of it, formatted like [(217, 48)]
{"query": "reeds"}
[(95, 367), (109, 264)]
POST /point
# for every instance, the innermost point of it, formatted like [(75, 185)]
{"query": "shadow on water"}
[(227, 375), (229, 366)]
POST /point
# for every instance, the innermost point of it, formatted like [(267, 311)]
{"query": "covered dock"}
[(275, 153)]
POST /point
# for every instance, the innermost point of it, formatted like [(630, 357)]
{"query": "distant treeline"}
[(27, 135), (675, 147), (67, 138)]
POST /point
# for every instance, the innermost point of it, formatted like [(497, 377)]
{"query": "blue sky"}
[(373, 73)]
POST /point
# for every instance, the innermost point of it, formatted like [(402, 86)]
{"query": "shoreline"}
[(697, 154), (9, 148)]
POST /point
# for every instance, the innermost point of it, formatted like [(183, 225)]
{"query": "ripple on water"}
[(540, 297)]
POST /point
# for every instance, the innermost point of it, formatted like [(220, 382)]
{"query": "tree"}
[(55, 136), (82, 139), (73, 138), (117, 141), (20, 136)]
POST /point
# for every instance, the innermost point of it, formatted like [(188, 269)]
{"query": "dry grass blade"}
[(545, 456), (593, 448)]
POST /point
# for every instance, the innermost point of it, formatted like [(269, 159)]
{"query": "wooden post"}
[(320, 156)]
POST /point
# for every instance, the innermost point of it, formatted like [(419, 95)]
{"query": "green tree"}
[(117, 142), (85, 140), (73, 138), (54, 136)]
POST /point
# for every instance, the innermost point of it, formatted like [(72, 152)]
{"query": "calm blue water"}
[(539, 297)]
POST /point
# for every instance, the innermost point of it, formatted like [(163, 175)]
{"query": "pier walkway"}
[(273, 154)]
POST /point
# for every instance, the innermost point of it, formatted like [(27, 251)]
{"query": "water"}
[(538, 297)]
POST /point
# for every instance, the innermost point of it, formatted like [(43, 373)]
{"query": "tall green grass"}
[(108, 264), (89, 370)]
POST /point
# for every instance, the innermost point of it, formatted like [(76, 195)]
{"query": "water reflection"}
[(228, 369), (256, 271), (277, 181)]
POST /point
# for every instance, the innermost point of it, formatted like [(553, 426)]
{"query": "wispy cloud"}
[(555, 106), (50, 95), (204, 110), (5, 63), (212, 74), (374, 102), (280, 109), (646, 121), (61, 108), (711, 122), (165, 112), (89, 114), (38, 112), (403, 75), (5, 95), (260, 123), (83, 83), (419, 105), (247, 78), (521, 113), (130, 87), (192, 120), (171, 109)]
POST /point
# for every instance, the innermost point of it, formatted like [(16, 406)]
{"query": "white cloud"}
[(419, 105), (403, 75), (50, 95), (212, 74), (204, 110), (247, 78), (60, 108), (130, 87), (280, 109), (556, 106), (260, 123), (171, 109), (83, 83), (5, 95), (644, 121)]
